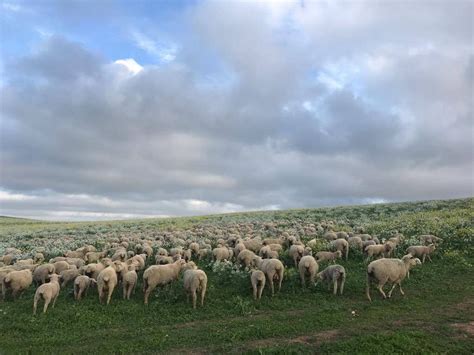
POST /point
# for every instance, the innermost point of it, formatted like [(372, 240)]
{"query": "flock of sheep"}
[(257, 248)]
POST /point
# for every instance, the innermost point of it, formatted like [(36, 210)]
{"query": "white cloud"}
[(7, 196), (131, 65), (165, 52)]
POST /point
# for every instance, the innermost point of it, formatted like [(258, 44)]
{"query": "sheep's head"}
[(339, 254), (432, 247)]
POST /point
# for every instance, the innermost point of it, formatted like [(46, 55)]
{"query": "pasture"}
[(435, 316)]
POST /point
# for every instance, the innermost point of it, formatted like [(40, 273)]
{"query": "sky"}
[(126, 109)]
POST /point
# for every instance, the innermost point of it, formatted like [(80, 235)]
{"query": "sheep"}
[(222, 253), (377, 250), (335, 274), (129, 282), (392, 245), (138, 260), (48, 292), (342, 235), (427, 239), (38, 258), (195, 281), (81, 285), (158, 275), (93, 270), (176, 251), (329, 236), (74, 254), (420, 251), (367, 243), (308, 267), (120, 255), (253, 244), (245, 257), (296, 253), (355, 242), (257, 278), (77, 262), (60, 266), (273, 270), (240, 246), (342, 245), (25, 262), (203, 253), (163, 260), (190, 265), (330, 256), (8, 259), (94, 256), (17, 281), (389, 270), (68, 276), (107, 280), (364, 237), (41, 273), (187, 254), (162, 252), (194, 247)]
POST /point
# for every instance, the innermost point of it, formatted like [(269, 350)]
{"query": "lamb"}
[(107, 280), (68, 276), (377, 250), (222, 253), (17, 282), (195, 281), (273, 270), (342, 245), (335, 274), (308, 267), (427, 239), (389, 270), (41, 273), (420, 251), (129, 282), (48, 292), (329, 256), (158, 275), (245, 257), (296, 253), (81, 285), (257, 278)]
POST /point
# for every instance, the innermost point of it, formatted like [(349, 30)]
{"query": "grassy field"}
[(435, 316)]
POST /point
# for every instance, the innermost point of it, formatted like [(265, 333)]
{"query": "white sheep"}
[(421, 252), (389, 270), (158, 275), (17, 282), (296, 252), (333, 274), (195, 281), (342, 245), (273, 270), (129, 281), (107, 280), (308, 267), (48, 292), (257, 278), (81, 285), (245, 258), (222, 253), (377, 250), (68, 276), (329, 256), (428, 239), (41, 273)]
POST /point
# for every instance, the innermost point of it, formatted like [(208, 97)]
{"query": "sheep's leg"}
[(424, 257), (380, 288), (124, 288), (260, 290), (341, 285), (46, 303), (391, 290), (109, 296), (35, 303), (147, 293), (400, 286), (429, 257), (75, 292), (194, 298), (280, 277), (335, 287), (203, 294), (302, 280), (255, 292)]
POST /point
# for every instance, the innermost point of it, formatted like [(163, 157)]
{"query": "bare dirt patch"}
[(465, 327)]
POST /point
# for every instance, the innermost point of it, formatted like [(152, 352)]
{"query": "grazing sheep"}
[(60, 266), (342, 235), (240, 246), (94, 256), (8, 259), (41, 273), (222, 253), (119, 255), (257, 278), (377, 250), (253, 245), (93, 270), (195, 281), (187, 254), (329, 236), (68, 276), (129, 282), (17, 282), (204, 253), (355, 242), (273, 270), (366, 243), (329, 256), (194, 247), (421, 252), (81, 285), (245, 257), (39, 258), (427, 239), (364, 237), (389, 270), (308, 267), (48, 292), (74, 254), (335, 274), (342, 245), (296, 252), (158, 275), (77, 262), (107, 280), (25, 262)]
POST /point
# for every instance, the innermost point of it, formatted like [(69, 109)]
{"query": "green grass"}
[(439, 295)]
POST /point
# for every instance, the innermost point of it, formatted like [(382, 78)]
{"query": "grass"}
[(433, 317)]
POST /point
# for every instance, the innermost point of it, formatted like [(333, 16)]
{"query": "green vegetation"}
[(435, 316)]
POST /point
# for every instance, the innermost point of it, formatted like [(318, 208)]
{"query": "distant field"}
[(435, 316)]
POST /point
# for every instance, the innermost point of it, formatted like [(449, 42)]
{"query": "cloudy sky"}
[(122, 109)]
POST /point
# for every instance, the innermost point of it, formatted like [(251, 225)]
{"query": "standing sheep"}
[(107, 280), (273, 270), (427, 239), (342, 245), (335, 274), (420, 251), (245, 258), (330, 256), (41, 273), (296, 253), (257, 278), (158, 275), (389, 270), (48, 292), (195, 281), (17, 282), (308, 267), (129, 281), (81, 285)]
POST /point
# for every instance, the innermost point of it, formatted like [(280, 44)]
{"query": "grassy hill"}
[(435, 316)]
